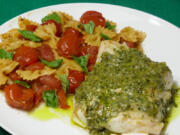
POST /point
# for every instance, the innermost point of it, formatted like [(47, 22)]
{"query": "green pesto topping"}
[(124, 81)]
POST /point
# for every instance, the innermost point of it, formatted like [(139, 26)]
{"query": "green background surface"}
[(166, 9)]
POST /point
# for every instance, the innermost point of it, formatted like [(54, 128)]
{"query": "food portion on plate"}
[(125, 93), (117, 88)]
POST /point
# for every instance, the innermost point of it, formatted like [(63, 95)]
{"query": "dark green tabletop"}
[(167, 9)]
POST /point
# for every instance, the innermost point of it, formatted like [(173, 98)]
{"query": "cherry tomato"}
[(26, 55), (14, 76), (35, 66), (31, 27), (92, 51), (69, 44), (129, 44), (75, 78), (19, 97), (51, 81), (58, 27), (94, 16), (39, 88), (46, 52), (62, 99)]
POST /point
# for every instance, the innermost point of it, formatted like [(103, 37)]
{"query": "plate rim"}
[(159, 19), (94, 3)]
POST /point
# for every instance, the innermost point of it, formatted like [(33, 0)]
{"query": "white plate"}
[(162, 44)]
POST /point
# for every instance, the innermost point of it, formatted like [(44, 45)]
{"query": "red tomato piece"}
[(129, 44), (14, 76), (51, 81), (35, 66), (75, 78), (62, 99), (26, 55), (70, 43), (71, 31), (58, 27), (39, 88), (46, 52), (19, 97), (31, 27), (92, 51), (94, 16), (21, 37)]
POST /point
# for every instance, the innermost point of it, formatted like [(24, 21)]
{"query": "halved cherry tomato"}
[(14, 76), (26, 55), (75, 78), (69, 44), (31, 27), (62, 99), (19, 97), (94, 16), (92, 51), (129, 44), (51, 81), (46, 52), (58, 27), (39, 88), (35, 66)]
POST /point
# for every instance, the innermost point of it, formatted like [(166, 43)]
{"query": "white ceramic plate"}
[(162, 44)]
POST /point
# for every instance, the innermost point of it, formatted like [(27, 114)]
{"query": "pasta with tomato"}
[(47, 61)]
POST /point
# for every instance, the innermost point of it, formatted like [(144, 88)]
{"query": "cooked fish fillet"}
[(119, 108)]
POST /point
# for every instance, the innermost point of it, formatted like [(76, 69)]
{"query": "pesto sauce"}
[(126, 80)]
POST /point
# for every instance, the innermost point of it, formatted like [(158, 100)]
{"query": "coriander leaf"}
[(109, 26), (89, 28), (52, 16), (105, 36), (22, 83), (64, 82), (50, 98), (52, 64), (30, 35), (5, 55), (82, 61)]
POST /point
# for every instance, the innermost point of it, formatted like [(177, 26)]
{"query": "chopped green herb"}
[(30, 35), (50, 98), (105, 36), (22, 83), (82, 61), (5, 55), (109, 26), (52, 16), (89, 28), (52, 64), (64, 82)]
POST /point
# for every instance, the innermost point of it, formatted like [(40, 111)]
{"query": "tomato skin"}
[(26, 55), (129, 44), (46, 52), (39, 88), (35, 66), (31, 27), (19, 97), (58, 27), (92, 51), (51, 81), (62, 99), (70, 43), (14, 76), (94, 16), (75, 78)]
